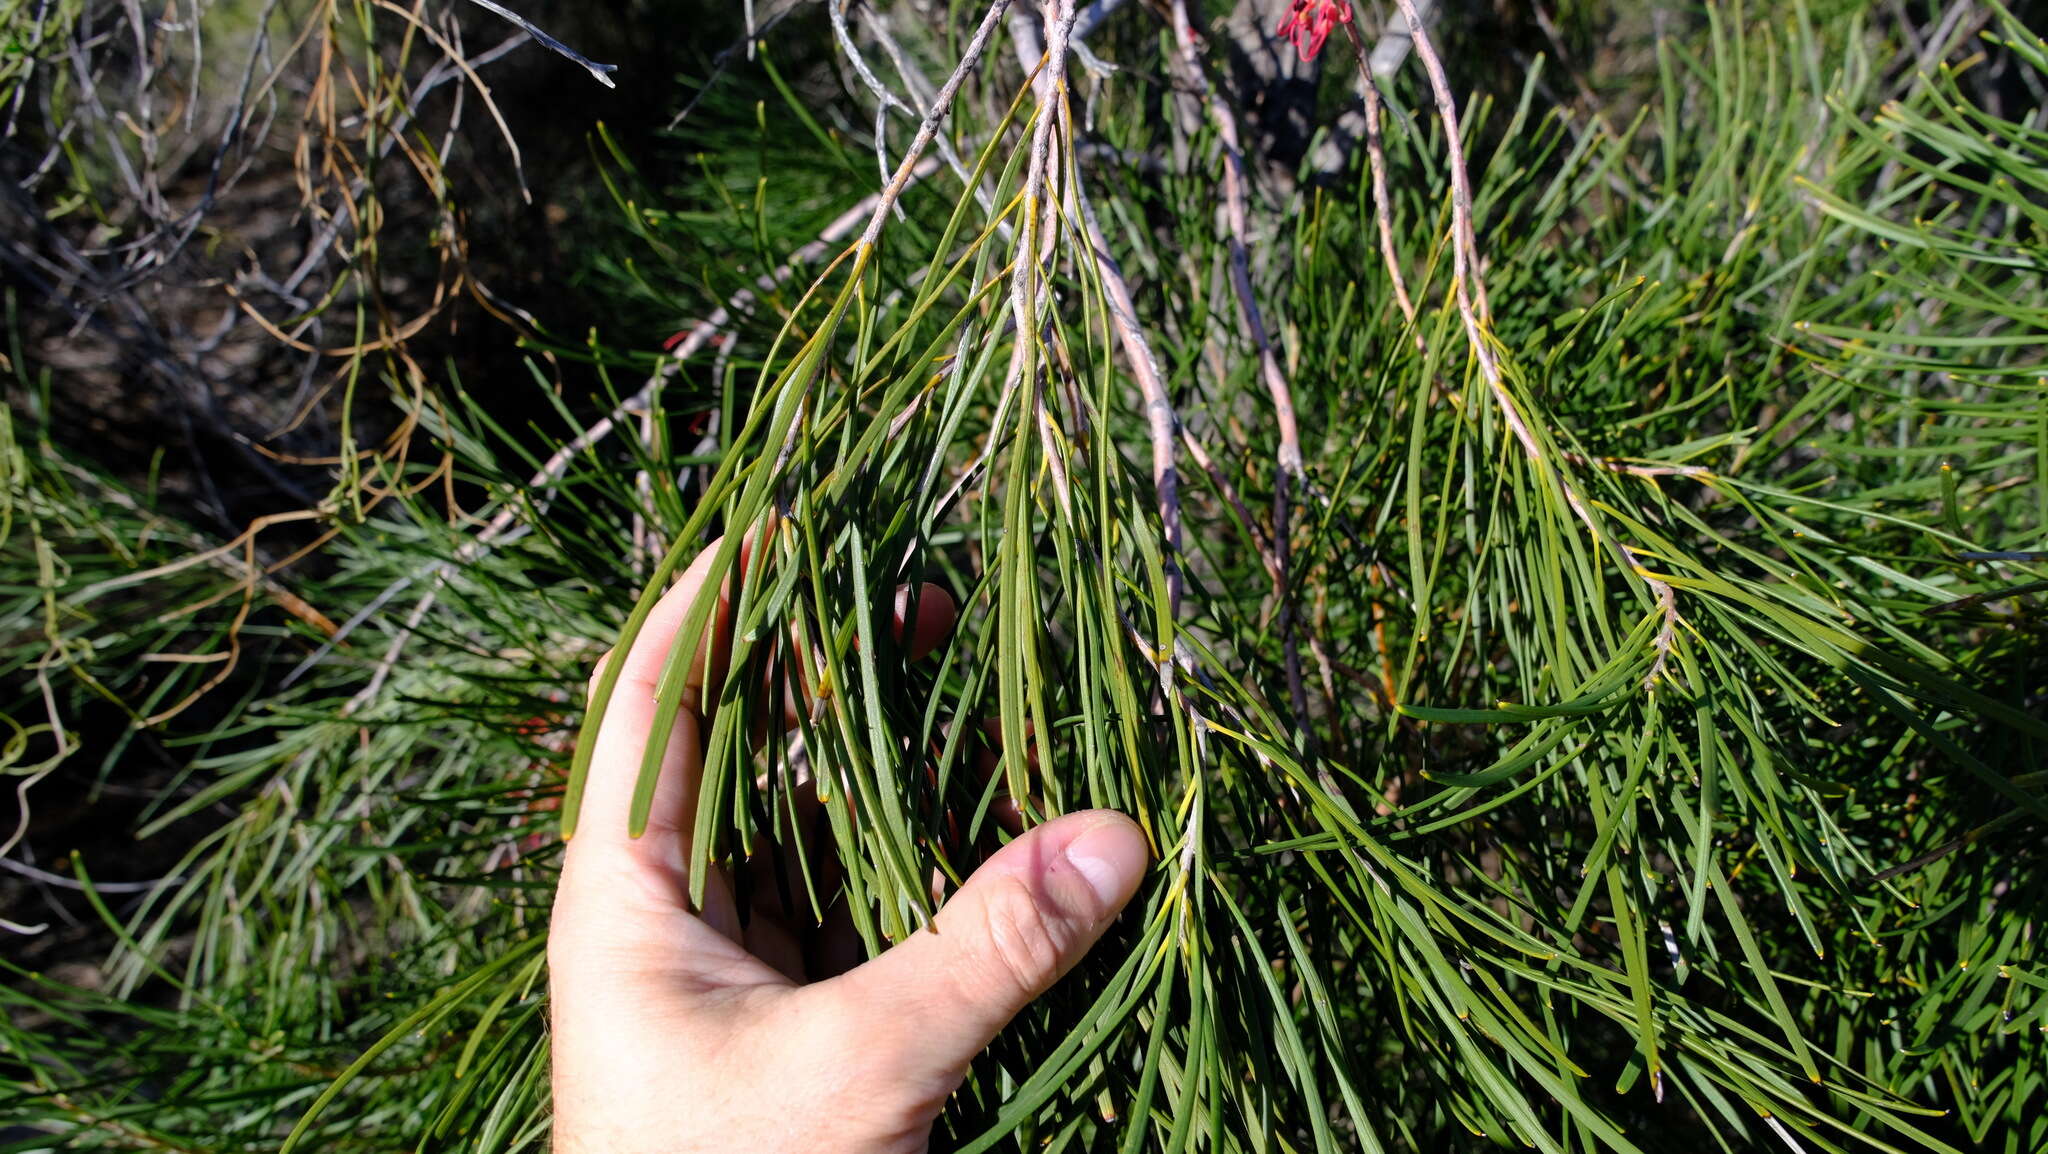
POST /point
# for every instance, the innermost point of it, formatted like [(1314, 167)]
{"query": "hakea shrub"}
[(1558, 586)]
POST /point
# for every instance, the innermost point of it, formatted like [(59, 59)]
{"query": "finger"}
[(1021, 921), (922, 622), (1006, 811), (621, 743), (622, 906), (713, 657), (623, 732), (918, 622)]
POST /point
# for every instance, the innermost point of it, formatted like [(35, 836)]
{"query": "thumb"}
[(1022, 920)]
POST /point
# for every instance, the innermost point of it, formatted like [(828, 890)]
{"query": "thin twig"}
[(1223, 486), (1382, 201), (598, 72), (59, 880), (921, 97), (942, 104), (744, 46), (1943, 850), (222, 558), (884, 99)]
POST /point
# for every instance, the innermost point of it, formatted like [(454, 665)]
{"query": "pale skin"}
[(677, 1030)]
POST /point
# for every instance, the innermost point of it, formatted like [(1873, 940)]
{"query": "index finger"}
[(627, 725)]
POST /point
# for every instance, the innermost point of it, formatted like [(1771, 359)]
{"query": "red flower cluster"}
[(1310, 22)]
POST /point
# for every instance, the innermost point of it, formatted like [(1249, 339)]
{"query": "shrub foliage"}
[(1558, 583)]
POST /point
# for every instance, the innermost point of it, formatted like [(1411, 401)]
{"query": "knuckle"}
[(1021, 944)]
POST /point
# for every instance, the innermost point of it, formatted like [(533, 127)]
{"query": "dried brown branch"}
[(455, 56)]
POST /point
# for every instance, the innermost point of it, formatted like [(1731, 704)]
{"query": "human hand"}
[(678, 1030)]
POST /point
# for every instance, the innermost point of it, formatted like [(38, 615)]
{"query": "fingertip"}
[(1109, 853), (597, 669), (1088, 864), (935, 614), (1021, 921)]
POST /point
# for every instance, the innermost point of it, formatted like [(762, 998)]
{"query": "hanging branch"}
[(1476, 313), (941, 105), (920, 90), (1028, 295), (1288, 455), (884, 98), (1162, 423)]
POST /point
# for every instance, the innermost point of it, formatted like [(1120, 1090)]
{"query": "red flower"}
[(1309, 23)]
